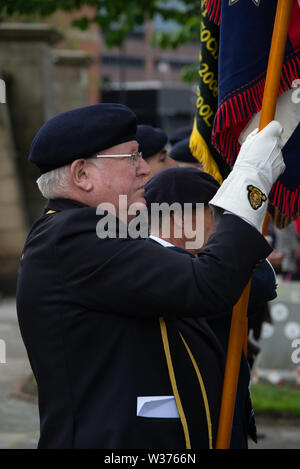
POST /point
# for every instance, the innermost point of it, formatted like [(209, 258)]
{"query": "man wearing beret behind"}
[(180, 134), (196, 188), (89, 308), (152, 144), (182, 154)]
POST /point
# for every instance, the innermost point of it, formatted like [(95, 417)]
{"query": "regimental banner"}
[(246, 28), (207, 100)]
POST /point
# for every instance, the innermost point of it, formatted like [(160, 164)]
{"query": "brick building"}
[(134, 64)]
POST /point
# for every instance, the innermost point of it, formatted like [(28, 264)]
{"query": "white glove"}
[(259, 164)]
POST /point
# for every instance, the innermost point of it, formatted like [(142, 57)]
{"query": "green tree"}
[(117, 18)]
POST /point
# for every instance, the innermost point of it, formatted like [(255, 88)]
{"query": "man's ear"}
[(80, 175)]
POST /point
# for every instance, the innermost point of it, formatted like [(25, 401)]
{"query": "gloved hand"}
[(259, 164)]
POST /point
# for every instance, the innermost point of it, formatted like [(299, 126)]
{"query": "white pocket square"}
[(157, 406)]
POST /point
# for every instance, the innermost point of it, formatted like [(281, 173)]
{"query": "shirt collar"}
[(161, 241)]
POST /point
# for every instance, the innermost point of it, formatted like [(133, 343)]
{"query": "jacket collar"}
[(59, 205)]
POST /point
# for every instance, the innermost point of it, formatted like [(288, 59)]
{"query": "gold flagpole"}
[(239, 315)]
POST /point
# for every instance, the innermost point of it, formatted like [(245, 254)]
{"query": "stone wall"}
[(70, 79), (13, 219), (25, 57), (40, 83)]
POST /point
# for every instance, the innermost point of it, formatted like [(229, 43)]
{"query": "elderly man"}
[(89, 309), (152, 144), (184, 186)]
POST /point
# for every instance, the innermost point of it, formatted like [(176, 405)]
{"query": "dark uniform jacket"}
[(263, 288), (89, 314)]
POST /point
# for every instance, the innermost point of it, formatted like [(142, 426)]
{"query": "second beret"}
[(151, 140)]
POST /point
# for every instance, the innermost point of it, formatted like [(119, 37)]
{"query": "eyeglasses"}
[(135, 156)]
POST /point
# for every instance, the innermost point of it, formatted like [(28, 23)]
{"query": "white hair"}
[(55, 183)]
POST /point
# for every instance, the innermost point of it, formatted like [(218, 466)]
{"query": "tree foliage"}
[(117, 18)]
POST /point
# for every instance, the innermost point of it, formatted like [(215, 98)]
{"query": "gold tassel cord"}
[(165, 340), (203, 391), (201, 152)]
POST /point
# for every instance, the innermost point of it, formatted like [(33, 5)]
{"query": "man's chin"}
[(139, 200)]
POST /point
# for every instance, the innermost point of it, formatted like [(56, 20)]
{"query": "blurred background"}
[(52, 61)]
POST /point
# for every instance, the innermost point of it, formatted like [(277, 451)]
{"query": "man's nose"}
[(143, 168)]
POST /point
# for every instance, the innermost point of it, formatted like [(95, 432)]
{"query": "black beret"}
[(181, 152), (180, 134), (81, 133), (183, 185), (151, 140)]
